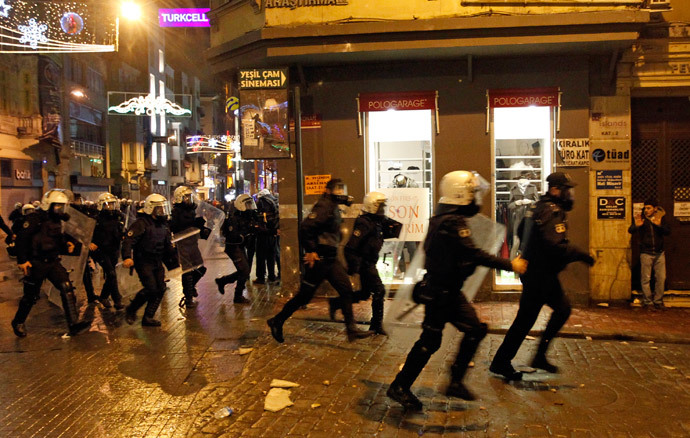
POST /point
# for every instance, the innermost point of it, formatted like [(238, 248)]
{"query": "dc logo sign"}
[(598, 155)]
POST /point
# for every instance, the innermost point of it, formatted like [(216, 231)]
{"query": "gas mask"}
[(339, 195), (57, 212), (567, 198)]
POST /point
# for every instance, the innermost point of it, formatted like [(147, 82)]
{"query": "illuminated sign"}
[(293, 4), (145, 105), (262, 78), (187, 17), (218, 144)]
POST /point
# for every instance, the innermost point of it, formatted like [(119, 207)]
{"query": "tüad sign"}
[(186, 17), (294, 4)]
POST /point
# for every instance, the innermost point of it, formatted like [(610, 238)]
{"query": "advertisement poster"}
[(609, 179), (573, 152), (609, 118), (609, 154), (315, 184), (410, 206), (611, 207)]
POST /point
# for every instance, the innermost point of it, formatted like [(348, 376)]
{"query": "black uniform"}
[(269, 220), (41, 242), (107, 236), (184, 217), (544, 233), (148, 242), (362, 253), (451, 257), (239, 229), (320, 233)]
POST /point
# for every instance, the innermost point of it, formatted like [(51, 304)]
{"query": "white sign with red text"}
[(409, 206)]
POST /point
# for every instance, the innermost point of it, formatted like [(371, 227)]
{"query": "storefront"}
[(20, 181)]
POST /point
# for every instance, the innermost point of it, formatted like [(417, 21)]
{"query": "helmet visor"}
[(481, 188)]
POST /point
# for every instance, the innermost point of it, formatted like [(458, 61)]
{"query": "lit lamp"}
[(130, 11)]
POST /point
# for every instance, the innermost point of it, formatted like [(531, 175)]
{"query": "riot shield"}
[(130, 216), (486, 234), (127, 281), (214, 220), (80, 227), (187, 244)]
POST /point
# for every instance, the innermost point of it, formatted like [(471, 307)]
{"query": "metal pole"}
[(298, 159)]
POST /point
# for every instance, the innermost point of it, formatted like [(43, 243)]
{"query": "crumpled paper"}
[(277, 399)]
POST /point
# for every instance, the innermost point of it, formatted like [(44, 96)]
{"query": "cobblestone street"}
[(127, 381)]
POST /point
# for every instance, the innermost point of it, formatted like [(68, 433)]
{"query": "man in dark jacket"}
[(362, 253), (651, 227), (320, 234), (105, 246), (545, 245), (451, 257), (147, 245), (39, 246)]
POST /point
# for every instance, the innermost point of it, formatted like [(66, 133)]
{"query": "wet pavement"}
[(119, 380)]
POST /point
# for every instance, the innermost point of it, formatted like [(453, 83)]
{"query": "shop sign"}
[(293, 4), (22, 174), (681, 209), (609, 117), (309, 121), (611, 207), (315, 184), (262, 78), (521, 97), (609, 154), (183, 17), (574, 152), (609, 179), (410, 206), (398, 101)]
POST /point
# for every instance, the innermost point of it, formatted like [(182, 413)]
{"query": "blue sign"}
[(609, 179)]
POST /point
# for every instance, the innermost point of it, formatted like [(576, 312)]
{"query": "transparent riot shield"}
[(214, 220), (127, 281), (187, 244), (486, 234), (130, 216), (80, 227)]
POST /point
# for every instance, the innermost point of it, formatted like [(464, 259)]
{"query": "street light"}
[(130, 10)]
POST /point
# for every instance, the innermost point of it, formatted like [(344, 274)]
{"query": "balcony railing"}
[(87, 149)]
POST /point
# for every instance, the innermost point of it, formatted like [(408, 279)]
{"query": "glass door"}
[(399, 164), (522, 138)]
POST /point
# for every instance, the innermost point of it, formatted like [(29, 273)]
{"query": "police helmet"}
[(184, 194), (108, 201), (373, 201), (156, 205), (245, 202), (28, 209), (462, 187), (54, 196)]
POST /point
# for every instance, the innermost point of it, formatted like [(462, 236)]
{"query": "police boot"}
[(221, 282), (376, 325), (333, 305), (239, 298), (25, 305), (276, 326), (19, 329), (506, 370), (69, 306), (456, 387), (354, 333), (405, 397), (540, 361), (150, 312), (134, 305), (117, 300), (188, 291)]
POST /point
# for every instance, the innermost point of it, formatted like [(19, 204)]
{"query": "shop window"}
[(174, 168), (522, 161), (6, 168), (399, 164), (37, 170)]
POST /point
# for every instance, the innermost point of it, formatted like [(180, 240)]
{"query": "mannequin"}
[(521, 196)]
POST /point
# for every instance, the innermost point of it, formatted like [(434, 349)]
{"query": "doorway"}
[(660, 163)]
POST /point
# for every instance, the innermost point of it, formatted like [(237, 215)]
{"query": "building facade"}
[(404, 92)]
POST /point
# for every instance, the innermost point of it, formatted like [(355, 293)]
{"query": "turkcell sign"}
[(185, 17)]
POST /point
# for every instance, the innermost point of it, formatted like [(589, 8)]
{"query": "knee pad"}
[(431, 341)]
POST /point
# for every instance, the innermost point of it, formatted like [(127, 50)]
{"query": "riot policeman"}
[(81, 206), (451, 257), (269, 221), (184, 217), (39, 246), (545, 245), (147, 246), (239, 230), (105, 246), (320, 234), (362, 253)]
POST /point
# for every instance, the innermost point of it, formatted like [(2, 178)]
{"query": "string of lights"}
[(58, 27)]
